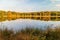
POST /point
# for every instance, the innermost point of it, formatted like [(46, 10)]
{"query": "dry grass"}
[(31, 34)]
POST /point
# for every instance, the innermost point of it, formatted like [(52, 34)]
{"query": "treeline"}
[(12, 15), (30, 34)]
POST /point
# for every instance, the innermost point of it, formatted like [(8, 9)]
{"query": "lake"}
[(23, 23)]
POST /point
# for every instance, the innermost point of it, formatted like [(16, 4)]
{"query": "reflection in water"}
[(23, 23)]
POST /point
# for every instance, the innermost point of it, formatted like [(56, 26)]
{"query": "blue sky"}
[(30, 5)]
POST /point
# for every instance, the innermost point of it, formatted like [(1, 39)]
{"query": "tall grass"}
[(31, 34)]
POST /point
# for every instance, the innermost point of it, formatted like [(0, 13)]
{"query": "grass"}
[(31, 34)]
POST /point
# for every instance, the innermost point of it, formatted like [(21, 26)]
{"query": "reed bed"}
[(30, 34)]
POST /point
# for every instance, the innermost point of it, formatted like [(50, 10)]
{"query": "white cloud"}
[(24, 6), (15, 0), (53, 1), (14, 5), (18, 5), (58, 5)]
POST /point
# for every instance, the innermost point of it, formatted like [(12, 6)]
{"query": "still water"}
[(23, 23)]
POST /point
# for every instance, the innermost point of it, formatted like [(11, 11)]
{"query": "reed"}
[(31, 34)]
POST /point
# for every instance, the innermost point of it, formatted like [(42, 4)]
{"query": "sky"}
[(30, 5)]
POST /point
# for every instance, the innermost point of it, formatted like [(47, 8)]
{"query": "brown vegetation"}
[(31, 34)]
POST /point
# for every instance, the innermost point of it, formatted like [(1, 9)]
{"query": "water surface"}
[(23, 23)]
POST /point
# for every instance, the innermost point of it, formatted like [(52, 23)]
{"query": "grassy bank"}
[(31, 34)]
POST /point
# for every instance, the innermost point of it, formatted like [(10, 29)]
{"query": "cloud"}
[(28, 5), (14, 5), (19, 5), (21, 1), (53, 1), (58, 5)]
